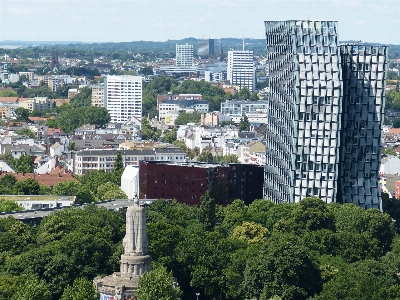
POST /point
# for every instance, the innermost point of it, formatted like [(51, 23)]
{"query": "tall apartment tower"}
[(184, 55), (123, 97), (312, 116), (364, 77), (240, 69)]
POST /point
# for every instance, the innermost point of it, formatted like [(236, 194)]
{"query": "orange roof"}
[(54, 130), (35, 119), (8, 99), (51, 179), (394, 130)]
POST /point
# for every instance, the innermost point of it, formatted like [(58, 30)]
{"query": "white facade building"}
[(130, 181), (184, 55), (123, 97), (241, 70)]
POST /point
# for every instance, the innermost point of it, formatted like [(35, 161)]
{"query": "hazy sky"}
[(160, 20)]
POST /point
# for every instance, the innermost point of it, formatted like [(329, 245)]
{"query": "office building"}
[(187, 182), (184, 55), (320, 96), (240, 69), (123, 97), (205, 47)]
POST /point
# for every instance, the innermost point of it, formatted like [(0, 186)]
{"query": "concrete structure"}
[(123, 97), (134, 262), (184, 55), (324, 115), (241, 70)]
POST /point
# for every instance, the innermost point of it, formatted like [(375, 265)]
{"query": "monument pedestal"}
[(134, 262)]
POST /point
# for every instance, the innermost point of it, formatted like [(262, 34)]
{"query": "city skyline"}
[(123, 21)]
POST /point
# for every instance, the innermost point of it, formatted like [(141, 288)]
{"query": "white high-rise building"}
[(184, 55), (123, 97), (240, 69)]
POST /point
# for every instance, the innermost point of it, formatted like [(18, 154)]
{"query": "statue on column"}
[(135, 241)]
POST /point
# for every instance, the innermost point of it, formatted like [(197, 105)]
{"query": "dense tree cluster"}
[(60, 257), (308, 250), (266, 250), (71, 118)]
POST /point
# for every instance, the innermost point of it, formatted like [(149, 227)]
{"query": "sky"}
[(375, 21)]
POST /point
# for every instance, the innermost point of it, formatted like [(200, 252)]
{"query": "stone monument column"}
[(134, 262)]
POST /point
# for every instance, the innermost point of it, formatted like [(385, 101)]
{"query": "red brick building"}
[(188, 182)]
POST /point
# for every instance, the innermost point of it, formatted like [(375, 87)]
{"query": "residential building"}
[(241, 70), (168, 106), (163, 97), (214, 118), (214, 76), (123, 97), (324, 115), (103, 159), (98, 96), (236, 109), (37, 103), (184, 55)]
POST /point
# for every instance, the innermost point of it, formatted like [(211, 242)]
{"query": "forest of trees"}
[(308, 250)]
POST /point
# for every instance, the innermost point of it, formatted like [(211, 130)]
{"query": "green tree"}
[(8, 93), (244, 124), (207, 212), (244, 94), (22, 114), (396, 122), (7, 183), (390, 206), (27, 186), (158, 284), (228, 159), (83, 98), (109, 191), (164, 237), (118, 163), (9, 205), (32, 288), (363, 280), (26, 132), (205, 156), (169, 136), (185, 118), (82, 289), (23, 164), (250, 232), (284, 268)]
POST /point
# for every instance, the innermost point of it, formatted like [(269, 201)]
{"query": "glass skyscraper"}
[(312, 117)]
